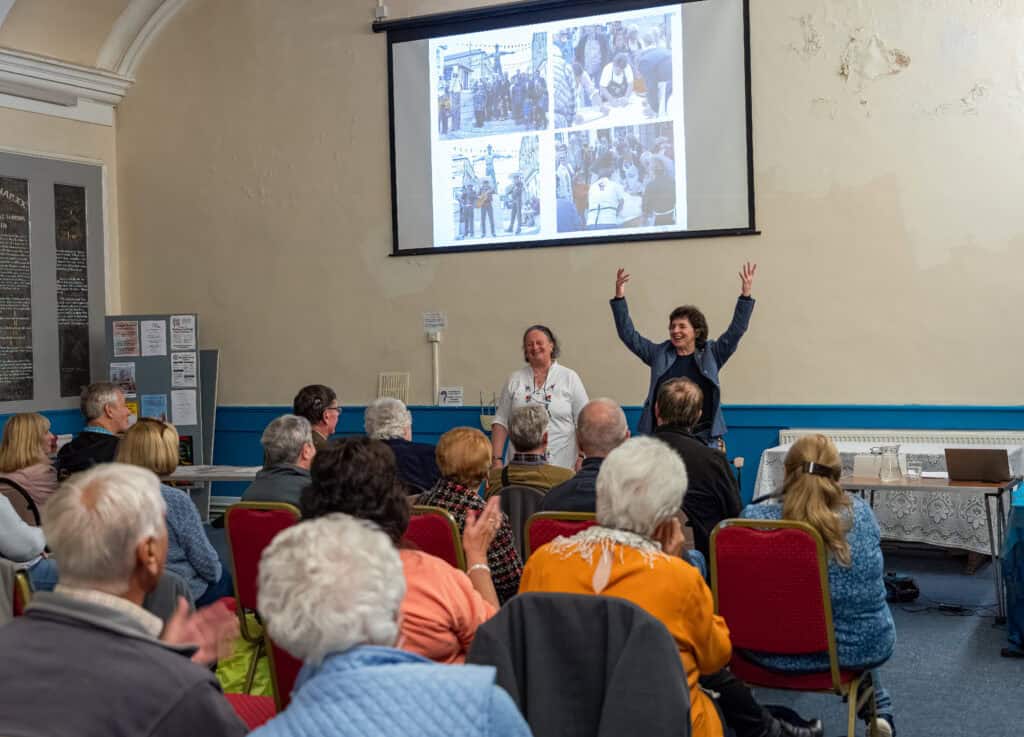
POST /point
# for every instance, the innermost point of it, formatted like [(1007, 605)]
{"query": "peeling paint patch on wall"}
[(811, 43), (867, 57)]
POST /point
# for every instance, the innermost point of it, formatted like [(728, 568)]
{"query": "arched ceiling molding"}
[(136, 28), (5, 8)]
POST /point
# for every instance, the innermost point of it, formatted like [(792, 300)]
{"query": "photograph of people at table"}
[(622, 70), (491, 83), (495, 188), (615, 177)]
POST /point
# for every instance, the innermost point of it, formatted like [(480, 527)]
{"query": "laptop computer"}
[(978, 464)]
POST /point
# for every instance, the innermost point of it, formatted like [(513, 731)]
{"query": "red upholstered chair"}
[(284, 669), (433, 530), (543, 527), (770, 582), (250, 527), (22, 592), (253, 710)]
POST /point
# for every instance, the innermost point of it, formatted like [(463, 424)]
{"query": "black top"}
[(85, 451), (578, 494), (685, 367), (712, 493), (417, 464)]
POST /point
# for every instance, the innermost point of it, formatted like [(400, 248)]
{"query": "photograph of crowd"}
[(620, 71), (623, 177), (495, 188), (491, 83)]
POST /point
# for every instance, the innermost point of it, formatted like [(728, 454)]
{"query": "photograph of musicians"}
[(485, 202), (467, 202), (514, 194)]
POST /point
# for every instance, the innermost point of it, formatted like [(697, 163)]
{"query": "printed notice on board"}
[(434, 321), (126, 338), (183, 332), (155, 406), (154, 337), (183, 370), (183, 407), (450, 396), (123, 374)]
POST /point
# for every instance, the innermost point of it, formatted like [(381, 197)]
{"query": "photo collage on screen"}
[(560, 129)]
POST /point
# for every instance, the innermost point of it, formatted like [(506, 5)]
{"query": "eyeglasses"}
[(335, 407)]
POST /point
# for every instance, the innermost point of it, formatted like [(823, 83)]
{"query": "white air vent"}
[(393, 384), (944, 437)]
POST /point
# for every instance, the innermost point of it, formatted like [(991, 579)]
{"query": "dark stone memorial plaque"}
[(72, 288), (16, 373)]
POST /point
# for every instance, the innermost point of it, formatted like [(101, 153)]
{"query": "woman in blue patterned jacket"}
[(865, 633)]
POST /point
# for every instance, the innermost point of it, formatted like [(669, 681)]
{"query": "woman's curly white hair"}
[(329, 584)]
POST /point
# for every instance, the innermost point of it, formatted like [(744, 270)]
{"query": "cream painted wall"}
[(254, 190), (69, 30), (42, 135)]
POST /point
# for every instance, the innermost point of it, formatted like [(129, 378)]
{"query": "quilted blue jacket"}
[(384, 692)]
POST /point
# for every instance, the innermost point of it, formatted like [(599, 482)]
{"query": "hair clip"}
[(819, 469)]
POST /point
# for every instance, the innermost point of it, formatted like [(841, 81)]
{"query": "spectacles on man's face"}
[(335, 407)]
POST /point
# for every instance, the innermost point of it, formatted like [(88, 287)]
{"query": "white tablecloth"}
[(950, 519)]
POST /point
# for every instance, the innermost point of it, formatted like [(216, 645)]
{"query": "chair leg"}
[(250, 675), (851, 725)]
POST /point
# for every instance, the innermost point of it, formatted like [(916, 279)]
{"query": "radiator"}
[(984, 438)]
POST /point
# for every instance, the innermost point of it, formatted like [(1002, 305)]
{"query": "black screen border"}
[(486, 18)]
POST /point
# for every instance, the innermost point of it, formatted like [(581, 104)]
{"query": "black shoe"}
[(814, 728)]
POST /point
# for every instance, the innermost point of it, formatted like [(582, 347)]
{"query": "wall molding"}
[(133, 32), (40, 84)]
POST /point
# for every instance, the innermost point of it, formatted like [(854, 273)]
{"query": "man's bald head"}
[(601, 427), (679, 403)]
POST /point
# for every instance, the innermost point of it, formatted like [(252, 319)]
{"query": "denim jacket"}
[(659, 356)]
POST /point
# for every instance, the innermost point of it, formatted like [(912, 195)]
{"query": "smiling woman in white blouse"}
[(545, 382)]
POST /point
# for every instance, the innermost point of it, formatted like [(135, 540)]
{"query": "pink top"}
[(441, 609), (40, 481)]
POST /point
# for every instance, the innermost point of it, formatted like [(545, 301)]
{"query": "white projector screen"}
[(569, 123)]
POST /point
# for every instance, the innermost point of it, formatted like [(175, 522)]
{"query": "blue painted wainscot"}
[(752, 427)]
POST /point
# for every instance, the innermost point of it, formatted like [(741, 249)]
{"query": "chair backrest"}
[(770, 583), (23, 504), (284, 670), (22, 592), (623, 666), (520, 503), (543, 527), (433, 530), (250, 527)]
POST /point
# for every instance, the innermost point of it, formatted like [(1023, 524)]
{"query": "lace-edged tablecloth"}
[(949, 519)]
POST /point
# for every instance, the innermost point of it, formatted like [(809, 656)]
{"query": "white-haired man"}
[(106, 418), (600, 429), (87, 659), (348, 576), (288, 453), (528, 432), (388, 419)]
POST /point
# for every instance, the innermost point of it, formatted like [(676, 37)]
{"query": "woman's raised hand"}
[(621, 277), (480, 529), (746, 278)]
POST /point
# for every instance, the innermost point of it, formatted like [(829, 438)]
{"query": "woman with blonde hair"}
[(865, 633), (153, 444), (24, 455), (464, 458)]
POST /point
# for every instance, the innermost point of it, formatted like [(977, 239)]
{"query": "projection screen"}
[(570, 123)]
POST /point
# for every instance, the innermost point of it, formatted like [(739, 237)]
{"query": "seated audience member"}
[(712, 494), (106, 417), (464, 457), (347, 576), (25, 455), (24, 545), (318, 404), (634, 553), (153, 444), (388, 419), (528, 432), (92, 643), (600, 429), (442, 606), (865, 633), (288, 452)]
